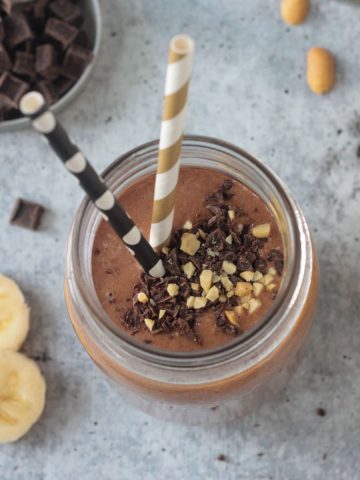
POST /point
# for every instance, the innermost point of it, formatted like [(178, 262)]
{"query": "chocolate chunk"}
[(17, 30), (13, 88), (243, 264), (76, 60), (321, 412), (60, 31), (82, 39), (26, 214), (39, 9), (48, 90), (5, 62), (66, 11), (23, 6), (62, 85), (6, 6), (261, 265), (29, 46), (278, 259), (46, 62), (5, 103), (2, 30), (24, 64)]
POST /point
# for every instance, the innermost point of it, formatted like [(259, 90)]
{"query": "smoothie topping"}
[(215, 264)]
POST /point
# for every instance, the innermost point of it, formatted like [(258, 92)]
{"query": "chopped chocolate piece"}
[(66, 11), (2, 30), (24, 64), (321, 412), (13, 88), (6, 6), (62, 85), (221, 457), (29, 46), (76, 60), (243, 264), (47, 89), (82, 39), (23, 6), (261, 265), (278, 259), (17, 30), (46, 62), (39, 9), (5, 103), (5, 62), (62, 32), (26, 214)]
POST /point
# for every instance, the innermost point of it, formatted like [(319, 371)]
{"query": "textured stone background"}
[(248, 88)]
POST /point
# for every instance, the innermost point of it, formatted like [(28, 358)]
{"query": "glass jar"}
[(208, 385)]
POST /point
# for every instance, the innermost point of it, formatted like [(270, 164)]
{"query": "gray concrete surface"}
[(248, 88)]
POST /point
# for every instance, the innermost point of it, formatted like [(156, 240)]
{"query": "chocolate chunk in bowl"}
[(51, 78), (26, 214)]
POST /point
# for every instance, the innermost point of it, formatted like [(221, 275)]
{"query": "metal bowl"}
[(93, 28)]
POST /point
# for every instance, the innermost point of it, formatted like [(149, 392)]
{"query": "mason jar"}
[(204, 386)]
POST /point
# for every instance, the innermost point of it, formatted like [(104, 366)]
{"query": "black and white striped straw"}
[(33, 105)]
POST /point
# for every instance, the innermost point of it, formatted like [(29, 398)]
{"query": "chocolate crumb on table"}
[(222, 457), (27, 214), (42, 47), (215, 265), (321, 412)]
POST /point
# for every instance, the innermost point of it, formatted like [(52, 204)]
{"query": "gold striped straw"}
[(172, 127)]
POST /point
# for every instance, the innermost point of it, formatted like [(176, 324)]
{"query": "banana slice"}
[(14, 315), (22, 395)]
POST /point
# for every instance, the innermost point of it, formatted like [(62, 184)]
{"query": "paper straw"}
[(173, 121), (43, 120)]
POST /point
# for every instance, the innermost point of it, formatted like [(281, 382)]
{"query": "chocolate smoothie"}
[(224, 265)]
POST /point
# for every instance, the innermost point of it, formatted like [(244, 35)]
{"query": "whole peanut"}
[(294, 12), (320, 70)]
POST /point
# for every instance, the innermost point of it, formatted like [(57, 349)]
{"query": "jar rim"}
[(116, 341)]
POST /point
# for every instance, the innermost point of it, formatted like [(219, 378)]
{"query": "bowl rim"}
[(70, 95)]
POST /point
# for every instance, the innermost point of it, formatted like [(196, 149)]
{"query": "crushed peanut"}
[(200, 302), (189, 243), (173, 289), (189, 269), (243, 288), (187, 225), (258, 288), (231, 316), (257, 276), (142, 297), (229, 239), (206, 280), (228, 267), (254, 304), (226, 283), (231, 214), (149, 323), (190, 302), (247, 275), (213, 294), (261, 231)]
